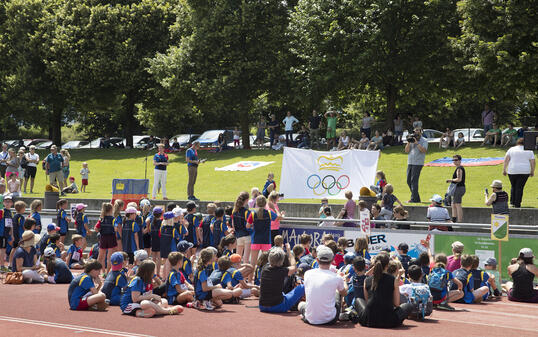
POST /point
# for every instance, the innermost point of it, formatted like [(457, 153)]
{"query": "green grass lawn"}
[(225, 186)]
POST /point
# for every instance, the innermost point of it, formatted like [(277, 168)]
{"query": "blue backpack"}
[(422, 302), (438, 280)]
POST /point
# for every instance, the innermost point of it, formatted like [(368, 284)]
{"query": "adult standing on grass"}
[(519, 164), (160, 161), (192, 165), (487, 118), (314, 125), (331, 128), (367, 124), (458, 178), (31, 168), (273, 129), (3, 160), (416, 149), (54, 165), (288, 127)]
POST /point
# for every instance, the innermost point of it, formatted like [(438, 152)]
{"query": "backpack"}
[(421, 300), (24, 162), (437, 279)]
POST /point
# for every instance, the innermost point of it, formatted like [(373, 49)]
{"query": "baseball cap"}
[(183, 246), (403, 246), (325, 254), (8, 197), (191, 205), (130, 210), (48, 252), (235, 258), (348, 257), (304, 267), (491, 262), (526, 252), (52, 227), (140, 255), (437, 198), (157, 210), (178, 211), (457, 246), (81, 206), (144, 202), (116, 258), (496, 184), (168, 215)]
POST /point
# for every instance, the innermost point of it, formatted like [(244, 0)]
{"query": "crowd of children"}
[(155, 261)]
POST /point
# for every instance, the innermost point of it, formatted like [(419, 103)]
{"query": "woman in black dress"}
[(381, 307)]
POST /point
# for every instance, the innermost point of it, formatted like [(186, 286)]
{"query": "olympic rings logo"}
[(329, 184)]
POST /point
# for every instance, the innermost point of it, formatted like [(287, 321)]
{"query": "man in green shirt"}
[(509, 136), (331, 129), (493, 134)]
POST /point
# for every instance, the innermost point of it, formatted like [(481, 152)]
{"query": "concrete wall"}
[(522, 216)]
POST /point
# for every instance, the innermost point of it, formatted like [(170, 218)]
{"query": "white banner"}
[(244, 166), (380, 241), (309, 174)]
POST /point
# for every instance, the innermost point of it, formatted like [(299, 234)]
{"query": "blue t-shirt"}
[(220, 277), (201, 278), (186, 268), (5, 218), (27, 258), (160, 158), (114, 283), (80, 220), (192, 154), (55, 162), (364, 253), (57, 250), (235, 275), (136, 284), (62, 274), (175, 278), (466, 278), (219, 228), (76, 254), (79, 287), (62, 221), (37, 217)]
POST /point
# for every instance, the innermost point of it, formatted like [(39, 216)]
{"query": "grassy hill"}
[(225, 186)]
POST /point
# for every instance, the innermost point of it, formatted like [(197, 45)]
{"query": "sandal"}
[(176, 310)]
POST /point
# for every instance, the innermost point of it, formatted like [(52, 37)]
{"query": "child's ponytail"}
[(59, 203), (106, 207), (118, 206), (226, 241), (205, 256), (381, 261)]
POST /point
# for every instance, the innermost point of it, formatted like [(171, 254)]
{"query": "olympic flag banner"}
[(310, 174)]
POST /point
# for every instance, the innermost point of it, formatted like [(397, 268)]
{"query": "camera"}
[(412, 138), (280, 195)]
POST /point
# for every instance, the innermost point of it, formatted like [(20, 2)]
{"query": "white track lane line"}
[(517, 304), (499, 313), (71, 327), (487, 324)]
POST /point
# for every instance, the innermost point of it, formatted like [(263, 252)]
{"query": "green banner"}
[(484, 247)]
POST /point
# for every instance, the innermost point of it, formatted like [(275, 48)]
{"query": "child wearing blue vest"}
[(35, 208), (57, 270), (62, 219), (239, 272), (18, 222), (74, 253), (223, 277), (194, 223), (218, 227), (130, 234), (180, 224), (227, 245), (207, 294), (169, 235), (184, 247), (81, 223), (56, 245), (205, 226), (260, 221), (263, 259), (480, 277), (83, 293), (118, 221), (139, 302), (155, 230), (179, 291), (116, 279), (464, 275), (108, 243)]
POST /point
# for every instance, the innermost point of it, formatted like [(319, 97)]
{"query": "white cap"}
[(48, 252), (178, 211)]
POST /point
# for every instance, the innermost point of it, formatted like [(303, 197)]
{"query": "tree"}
[(227, 56), (396, 49), (101, 50)]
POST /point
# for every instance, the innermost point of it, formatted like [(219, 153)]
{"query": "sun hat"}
[(144, 203), (178, 211), (28, 239), (496, 184), (130, 210), (81, 206), (437, 199)]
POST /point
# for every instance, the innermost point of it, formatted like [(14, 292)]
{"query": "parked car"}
[(184, 139), (143, 143), (107, 142), (44, 145), (431, 135), (29, 142), (210, 138), (472, 135), (14, 143), (75, 144)]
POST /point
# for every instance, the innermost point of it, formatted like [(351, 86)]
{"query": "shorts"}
[(83, 304), (84, 182), (108, 241), (3, 242), (260, 246), (244, 240), (132, 308), (30, 172), (147, 240), (8, 174), (331, 134), (458, 194)]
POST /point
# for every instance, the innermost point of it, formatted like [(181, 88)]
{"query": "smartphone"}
[(486, 190)]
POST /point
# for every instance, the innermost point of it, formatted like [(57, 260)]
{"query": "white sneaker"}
[(344, 316), (208, 305), (50, 279)]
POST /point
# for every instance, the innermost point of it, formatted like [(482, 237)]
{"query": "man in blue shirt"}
[(192, 164), (416, 149), (55, 162), (160, 161)]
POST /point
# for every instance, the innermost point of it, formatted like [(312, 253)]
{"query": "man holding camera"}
[(416, 148)]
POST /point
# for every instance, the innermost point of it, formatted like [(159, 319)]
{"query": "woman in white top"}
[(344, 141), (31, 168), (367, 124), (519, 164)]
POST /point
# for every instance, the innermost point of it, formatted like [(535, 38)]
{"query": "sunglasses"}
[(455, 159)]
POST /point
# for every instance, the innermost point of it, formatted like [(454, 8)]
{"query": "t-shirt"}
[(288, 122), (175, 278), (261, 233), (79, 287), (519, 160), (377, 139), (415, 157), (160, 158), (320, 287), (314, 122), (30, 156), (271, 285), (495, 131), (114, 283), (453, 263), (76, 254), (487, 117), (186, 268), (27, 258), (62, 274), (331, 123), (235, 275), (273, 123), (201, 277), (366, 122), (136, 284), (55, 162), (511, 132), (3, 156), (327, 223), (437, 214), (407, 289), (344, 140), (84, 172), (350, 209), (388, 201), (192, 154)]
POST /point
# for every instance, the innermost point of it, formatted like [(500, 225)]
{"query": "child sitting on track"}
[(205, 291), (465, 276), (223, 277), (184, 247), (74, 253), (418, 294), (179, 291), (227, 245), (116, 280), (57, 270), (438, 280), (82, 292), (239, 272)]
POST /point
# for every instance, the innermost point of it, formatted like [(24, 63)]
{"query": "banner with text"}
[(292, 235), (378, 241), (308, 174)]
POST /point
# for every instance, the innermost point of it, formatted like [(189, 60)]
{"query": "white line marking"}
[(502, 313), (485, 324), (521, 305), (71, 327)]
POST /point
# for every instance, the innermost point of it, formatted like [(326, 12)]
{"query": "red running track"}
[(42, 310)]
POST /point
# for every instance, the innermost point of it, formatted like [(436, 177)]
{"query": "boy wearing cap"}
[(45, 239), (498, 199), (184, 247), (74, 253), (130, 233), (321, 284), (437, 213), (81, 223), (194, 222), (491, 268), (116, 279), (179, 291)]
